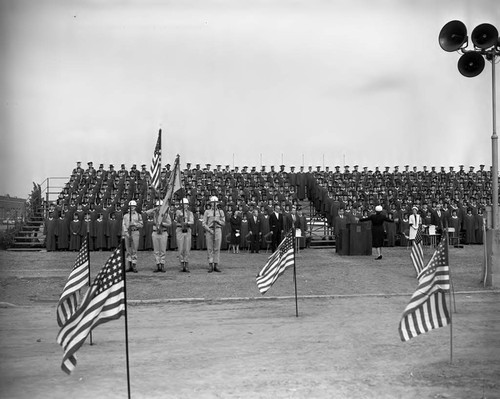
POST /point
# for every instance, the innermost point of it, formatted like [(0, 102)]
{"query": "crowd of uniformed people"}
[(94, 201)]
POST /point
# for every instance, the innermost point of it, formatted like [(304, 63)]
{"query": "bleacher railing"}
[(51, 187)]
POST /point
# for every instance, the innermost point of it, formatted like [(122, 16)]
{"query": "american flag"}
[(79, 276), (417, 252), (156, 163), (173, 185), (282, 258), (427, 308), (104, 301)]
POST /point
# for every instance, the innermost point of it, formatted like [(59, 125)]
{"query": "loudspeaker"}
[(453, 36), (484, 36), (471, 64)]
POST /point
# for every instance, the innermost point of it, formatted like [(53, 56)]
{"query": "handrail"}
[(51, 191)]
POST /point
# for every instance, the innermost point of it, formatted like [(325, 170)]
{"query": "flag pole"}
[(451, 292), (452, 288), (122, 253), (451, 333), (88, 257), (294, 244)]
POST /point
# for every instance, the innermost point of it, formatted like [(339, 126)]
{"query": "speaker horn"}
[(484, 36), (453, 36), (471, 64)]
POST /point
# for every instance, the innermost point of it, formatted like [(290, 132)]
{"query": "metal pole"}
[(494, 147)]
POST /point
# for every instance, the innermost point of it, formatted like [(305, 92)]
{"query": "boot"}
[(157, 268), (186, 269), (215, 268), (162, 267), (210, 267), (134, 267), (129, 267)]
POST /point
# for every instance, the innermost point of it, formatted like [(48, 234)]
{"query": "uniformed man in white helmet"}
[(213, 221), (184, 219), (160, 234), (132, 222)]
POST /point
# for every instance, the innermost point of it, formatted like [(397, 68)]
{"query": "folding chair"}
[(268, 240)]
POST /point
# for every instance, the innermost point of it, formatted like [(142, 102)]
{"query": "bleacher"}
[(319, 193)]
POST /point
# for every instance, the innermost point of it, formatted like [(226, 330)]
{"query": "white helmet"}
[(213, 198), (159, 202), (378, 208), (185, 201), (132, 203)]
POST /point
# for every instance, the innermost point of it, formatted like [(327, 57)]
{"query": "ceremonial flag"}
[(104, 301), (79, 276), (174, 184), (156, 163), (427, 308), (277, 263), (417, 251)]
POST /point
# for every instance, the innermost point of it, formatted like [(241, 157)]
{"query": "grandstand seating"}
[(318, 193)]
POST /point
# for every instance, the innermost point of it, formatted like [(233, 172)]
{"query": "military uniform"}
[(132, 222), (159, 235), (184, 219), (213, 221)]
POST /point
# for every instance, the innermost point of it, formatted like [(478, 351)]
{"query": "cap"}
[(159, 202)]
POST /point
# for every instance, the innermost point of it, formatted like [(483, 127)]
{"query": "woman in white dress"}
[(415, 221)]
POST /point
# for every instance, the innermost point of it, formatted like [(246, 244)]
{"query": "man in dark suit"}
[(276, 226), (255, 228), (438, 219)]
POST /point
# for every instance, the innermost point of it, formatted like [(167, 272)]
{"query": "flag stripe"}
[(156, 163), (417, 251), (428, 316), (277, 263), (79, 276), (427, 308), (104, 301)]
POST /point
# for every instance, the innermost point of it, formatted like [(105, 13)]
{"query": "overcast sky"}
[(233, 82)]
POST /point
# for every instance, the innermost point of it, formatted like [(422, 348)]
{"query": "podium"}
[(355, 239)]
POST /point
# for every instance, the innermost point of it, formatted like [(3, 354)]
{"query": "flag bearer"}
[(160, 234), (184, 219)]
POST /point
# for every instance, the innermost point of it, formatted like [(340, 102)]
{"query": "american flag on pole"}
[(156, 163), (427, 308), (417, 251), (104, 301), (174, 184), (282, 258), (79, 276)]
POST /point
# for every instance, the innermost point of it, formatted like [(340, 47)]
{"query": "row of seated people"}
[(109, 186), (67, 230), (95, 190)]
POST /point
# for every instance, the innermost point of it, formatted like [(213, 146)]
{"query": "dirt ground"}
[(203, 335)]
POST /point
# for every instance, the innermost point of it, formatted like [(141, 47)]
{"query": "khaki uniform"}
[(212, 223), (130, 231)]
